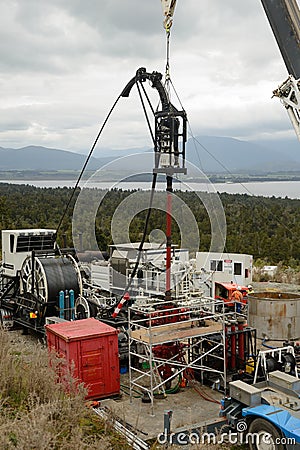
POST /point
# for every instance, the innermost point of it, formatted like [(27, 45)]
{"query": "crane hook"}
[(168, 7)]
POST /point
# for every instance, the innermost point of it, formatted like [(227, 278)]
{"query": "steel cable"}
[(86, 162)]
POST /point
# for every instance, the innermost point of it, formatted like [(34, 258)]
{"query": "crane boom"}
[(284, 18)]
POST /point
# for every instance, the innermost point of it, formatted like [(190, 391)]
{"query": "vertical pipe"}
[(233, 346), (130, 326), (152, 377), (225, 354), (61, 304), (169, 233), (67, 305), (246, 341), (241, 340), (226, 345), (72, 304)]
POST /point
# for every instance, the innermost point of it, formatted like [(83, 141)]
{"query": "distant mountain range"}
[(223, 154), (45, 159), (210, 153)]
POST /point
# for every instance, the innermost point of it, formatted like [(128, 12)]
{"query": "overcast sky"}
[(64, 62)]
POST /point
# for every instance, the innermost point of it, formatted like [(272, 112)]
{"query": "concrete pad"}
[(190, 410)]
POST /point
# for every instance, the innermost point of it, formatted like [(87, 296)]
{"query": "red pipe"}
[(169, 234), (226, 346), (233, 346), (241, 342)]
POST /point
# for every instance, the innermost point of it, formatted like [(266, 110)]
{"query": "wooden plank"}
[(175, 331)]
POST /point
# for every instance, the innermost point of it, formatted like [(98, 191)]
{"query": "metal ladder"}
[(6, 288)]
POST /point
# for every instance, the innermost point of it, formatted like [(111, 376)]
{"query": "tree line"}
[(267, 228)]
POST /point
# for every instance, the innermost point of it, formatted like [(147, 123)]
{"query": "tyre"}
[(264, 436)]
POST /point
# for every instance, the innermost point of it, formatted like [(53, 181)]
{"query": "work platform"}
[(168, 341), (175, 332)]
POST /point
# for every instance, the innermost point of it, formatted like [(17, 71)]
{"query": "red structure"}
[(169, 234), (90, 350)]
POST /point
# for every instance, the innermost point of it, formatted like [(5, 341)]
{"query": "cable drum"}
[(51, 275)]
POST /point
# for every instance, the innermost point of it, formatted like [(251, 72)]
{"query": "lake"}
[(282, 189)]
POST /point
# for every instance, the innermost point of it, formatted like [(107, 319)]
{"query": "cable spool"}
[(288, 363), (272, 364), (50, 275)]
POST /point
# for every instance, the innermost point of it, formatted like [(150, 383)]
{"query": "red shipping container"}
[(90, 349)]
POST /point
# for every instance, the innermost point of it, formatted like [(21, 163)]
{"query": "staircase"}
[(6, 286)]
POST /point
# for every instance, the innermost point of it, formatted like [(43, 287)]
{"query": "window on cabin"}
[(216, 266), (237, 269), (11, 242)]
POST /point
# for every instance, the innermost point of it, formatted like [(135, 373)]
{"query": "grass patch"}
[(36, 412)]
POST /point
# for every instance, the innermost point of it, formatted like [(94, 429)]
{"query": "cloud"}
[(63, 63)]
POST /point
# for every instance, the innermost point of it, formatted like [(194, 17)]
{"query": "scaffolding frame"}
[(153, 282), (188, 323)]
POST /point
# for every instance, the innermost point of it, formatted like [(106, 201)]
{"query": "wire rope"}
[(147, 97), (140, 248), (86, 162), (145, 112)]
